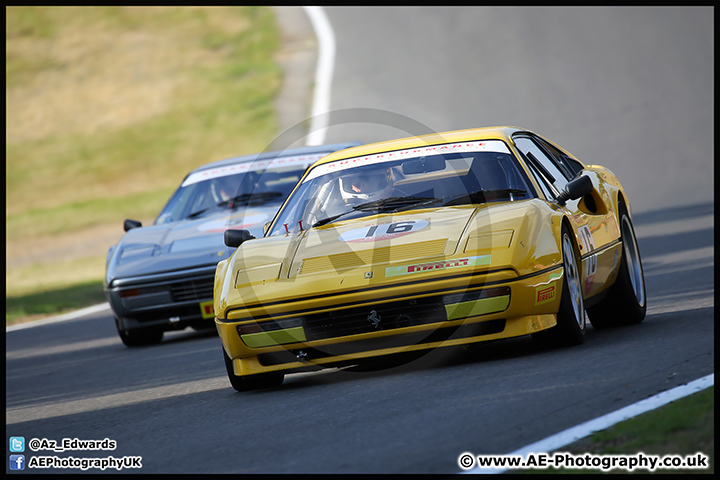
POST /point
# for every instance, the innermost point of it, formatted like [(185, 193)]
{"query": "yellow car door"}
[(594, 224)]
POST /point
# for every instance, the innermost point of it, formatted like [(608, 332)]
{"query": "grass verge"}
[(108, 108), (683, 428), (36, 305)]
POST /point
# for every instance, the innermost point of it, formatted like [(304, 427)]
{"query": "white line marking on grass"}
[(583, 430)]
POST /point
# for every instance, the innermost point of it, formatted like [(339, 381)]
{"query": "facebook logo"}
[(17, 444), (17, 462)]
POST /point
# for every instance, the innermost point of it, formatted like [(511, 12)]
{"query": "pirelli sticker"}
[(546, 293), (434, 266)]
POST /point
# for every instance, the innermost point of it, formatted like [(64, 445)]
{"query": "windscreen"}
[(255, 183), (441, 175)]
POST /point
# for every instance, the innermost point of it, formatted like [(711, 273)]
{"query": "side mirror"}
[(235, 238), (130, 224), (266, 227), (577, 188)]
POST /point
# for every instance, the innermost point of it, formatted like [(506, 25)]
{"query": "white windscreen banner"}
[(302, 161), (496, 146)]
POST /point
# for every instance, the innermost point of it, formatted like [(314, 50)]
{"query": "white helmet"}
[(366, 185), (222, 189)]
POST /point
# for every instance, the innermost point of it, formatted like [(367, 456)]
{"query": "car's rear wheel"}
[(625, 303), (244, 383), (570, 328), (138, 337)]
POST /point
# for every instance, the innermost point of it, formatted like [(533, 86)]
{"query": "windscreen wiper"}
[(259, 198), (256, 198), (327, 220), (394, 203), (384, 205), (244, 199), (199, 212), (479, 196)]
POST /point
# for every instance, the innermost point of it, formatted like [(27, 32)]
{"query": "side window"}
[(571, 166), (545, 164), (542, 181)]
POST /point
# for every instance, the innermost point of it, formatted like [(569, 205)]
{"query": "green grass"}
[(54, 302)]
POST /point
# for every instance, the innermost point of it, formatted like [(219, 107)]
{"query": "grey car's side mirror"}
[(130, 224), (575, 189), (235, 238)]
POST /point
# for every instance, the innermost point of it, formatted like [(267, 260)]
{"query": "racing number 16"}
[(390, 228)]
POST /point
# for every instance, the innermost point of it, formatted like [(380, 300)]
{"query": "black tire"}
[(139, 337), (251, 382), (570, 328), (626, 301)]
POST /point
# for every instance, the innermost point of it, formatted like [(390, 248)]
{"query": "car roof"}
[(310, 150), (501, 133)]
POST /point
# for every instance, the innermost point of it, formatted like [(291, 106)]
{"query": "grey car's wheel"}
[(625, 303), (139, 336), (251, 382), (570, 328)]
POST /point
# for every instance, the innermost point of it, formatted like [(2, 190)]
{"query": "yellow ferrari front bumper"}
[(357, 324)]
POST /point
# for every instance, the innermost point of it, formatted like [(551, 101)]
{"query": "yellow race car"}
[(427, 242)]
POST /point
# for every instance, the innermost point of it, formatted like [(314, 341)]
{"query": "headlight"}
[(273, 332), (476, 295), (478, 302)]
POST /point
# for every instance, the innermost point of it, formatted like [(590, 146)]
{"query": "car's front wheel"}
[(625, 302), (570, 328), (139, 336), (244, 383)]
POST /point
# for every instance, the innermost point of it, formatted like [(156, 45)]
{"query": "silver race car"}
[(160, 277)]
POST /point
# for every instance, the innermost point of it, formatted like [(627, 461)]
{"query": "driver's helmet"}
[(222, 188), (366, 185)]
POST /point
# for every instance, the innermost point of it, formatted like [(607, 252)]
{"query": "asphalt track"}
[(628, 88)]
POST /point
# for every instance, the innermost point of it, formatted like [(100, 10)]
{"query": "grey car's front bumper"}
[(168, 300)]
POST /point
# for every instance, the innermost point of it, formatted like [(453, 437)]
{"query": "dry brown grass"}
[(85, 86)]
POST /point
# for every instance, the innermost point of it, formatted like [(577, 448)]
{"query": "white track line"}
[(323, 75), (61, 318), (583, 430)]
